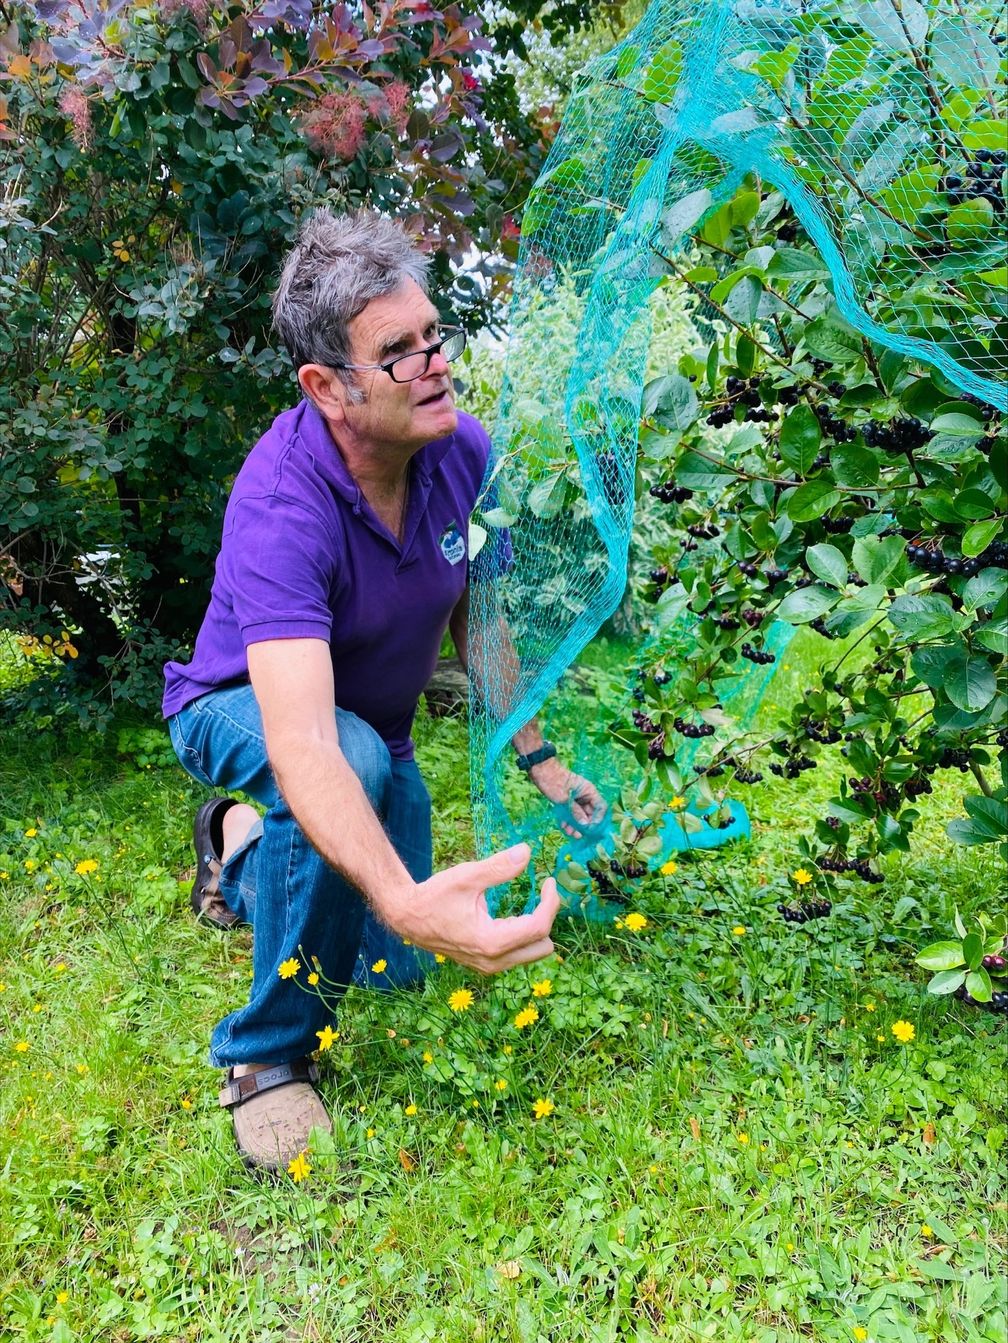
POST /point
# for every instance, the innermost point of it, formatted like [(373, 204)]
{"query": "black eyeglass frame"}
[(448, 333)]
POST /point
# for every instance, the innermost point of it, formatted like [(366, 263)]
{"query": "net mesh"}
[(881, 124)]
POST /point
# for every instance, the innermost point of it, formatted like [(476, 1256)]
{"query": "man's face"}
[(407, 414)]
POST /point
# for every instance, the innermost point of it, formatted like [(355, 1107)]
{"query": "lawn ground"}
[(738, 1149)]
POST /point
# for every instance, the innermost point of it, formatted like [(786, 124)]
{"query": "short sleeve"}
[(279, 562)]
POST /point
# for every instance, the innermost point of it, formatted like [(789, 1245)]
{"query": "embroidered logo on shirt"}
[(452, 544)]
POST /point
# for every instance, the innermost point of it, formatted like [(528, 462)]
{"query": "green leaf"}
[(941, 956), (812, 500), (946, 981), (677, 406), (929, 663), (966, 832), (978, 983), (684, 214), (972, 950), (546, 497), (742, 304), (805, 604), (827, 563), (926, 617), (697, 473), (985, 589), (977, 538), (989, 813), (875, 557), (969, 682), (800, 436), (663, 73), (969, 220), (854, 466)]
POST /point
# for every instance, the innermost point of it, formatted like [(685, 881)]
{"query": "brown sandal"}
[(274, 1112), (208, 840)]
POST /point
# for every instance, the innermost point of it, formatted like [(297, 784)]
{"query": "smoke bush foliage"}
[(154, 162)]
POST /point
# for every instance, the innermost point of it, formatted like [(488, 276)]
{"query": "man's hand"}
[(448, 914), (560, 785)]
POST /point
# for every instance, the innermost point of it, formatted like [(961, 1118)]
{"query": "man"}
[(342, 563)]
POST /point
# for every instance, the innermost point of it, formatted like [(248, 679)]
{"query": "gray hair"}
[(337, 265)]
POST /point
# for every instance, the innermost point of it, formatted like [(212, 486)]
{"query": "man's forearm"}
[(499, 690), (331, 807)]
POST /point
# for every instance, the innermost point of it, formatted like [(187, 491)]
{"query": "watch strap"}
[(545, 752)]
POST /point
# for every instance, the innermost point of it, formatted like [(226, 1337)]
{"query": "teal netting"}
[(881, 123)]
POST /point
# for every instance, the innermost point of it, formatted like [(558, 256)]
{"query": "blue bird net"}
[(882, 125)]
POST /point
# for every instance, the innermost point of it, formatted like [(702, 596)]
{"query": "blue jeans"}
[(299, 907)]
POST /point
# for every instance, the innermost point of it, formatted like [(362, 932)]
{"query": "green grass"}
[(734, 1152)]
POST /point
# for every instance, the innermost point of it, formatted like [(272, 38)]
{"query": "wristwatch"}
[(545, 752)]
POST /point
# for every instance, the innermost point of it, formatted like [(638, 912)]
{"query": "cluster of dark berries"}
[(995, 556), (808, 909), (821, 732), (661, 676), (833, 822), (997, 1004), (913, 788), (758, 655), (859, 866), (726, 623), (752, 618), (788, 396), (819, 462), (775, 576), (741, 392), (706, 531), (793, 766), (884, 793), (819, 625), (954, 758), (742, 775), (833, 426), (987, 411), (660, 577), (604, 883), (631, 869), (656, 747), (900, 435), (643, 723), (693, 730), (688, 545), (1002, 739), (833, 526), (787, 231), (995, 965), (980, 177), (748, 568), (935, 561), (669, 493)]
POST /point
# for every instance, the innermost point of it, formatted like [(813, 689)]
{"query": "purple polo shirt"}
[(304, 557)]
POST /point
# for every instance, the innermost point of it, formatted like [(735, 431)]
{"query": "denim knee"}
[(368, 757)]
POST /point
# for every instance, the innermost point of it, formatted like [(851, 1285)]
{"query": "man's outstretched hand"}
[(448, 914), (586, 804)]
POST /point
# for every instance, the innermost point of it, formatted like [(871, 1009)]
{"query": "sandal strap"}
[(239, 1089)]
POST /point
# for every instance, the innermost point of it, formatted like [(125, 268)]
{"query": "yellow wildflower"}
[(31, 832), (62, 1298), (926, 1231), (30, 864), (288, 969), (542, 989), (743, 1138), (461, 1000), (635, 922), (903, 1031), (21, 1047), (4, 876), (801, 877), (869, 1007), (676, 803), (501, 1084), (186, 1103), (410, 1109), (300, 1168), (86, 866), (669, 869), (82, 1068), (379, 967), (371, 1132), (508, 1049), (739, 930), (313, 978), (428, 1057), (528, 1016), (860, 1333), (327, 1037), (439, 958), (542, 1109)]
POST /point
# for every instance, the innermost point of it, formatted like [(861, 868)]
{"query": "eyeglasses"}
[(409, 367)]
